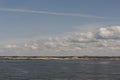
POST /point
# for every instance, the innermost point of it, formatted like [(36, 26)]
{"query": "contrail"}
[(50, 13)]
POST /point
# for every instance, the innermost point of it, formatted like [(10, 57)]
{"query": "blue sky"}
[(22, 24), (30, 19)]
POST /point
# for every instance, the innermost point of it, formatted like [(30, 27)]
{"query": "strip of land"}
[(59, 58)]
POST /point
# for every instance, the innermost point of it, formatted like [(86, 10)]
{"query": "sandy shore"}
[(60, 57)]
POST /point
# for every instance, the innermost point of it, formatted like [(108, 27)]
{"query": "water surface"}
[(59, 70)]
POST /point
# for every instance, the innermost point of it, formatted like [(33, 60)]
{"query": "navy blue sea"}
[(59, 70)]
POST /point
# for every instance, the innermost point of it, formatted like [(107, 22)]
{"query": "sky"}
[(60, 27)]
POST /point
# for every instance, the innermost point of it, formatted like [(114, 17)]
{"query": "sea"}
[(59, 70)]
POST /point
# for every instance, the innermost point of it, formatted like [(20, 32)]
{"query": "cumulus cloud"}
[(106, 40), (11, 46), (33, 46), (112, 32), (81, 37)]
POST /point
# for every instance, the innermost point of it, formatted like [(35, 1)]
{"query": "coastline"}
[(59, 58)]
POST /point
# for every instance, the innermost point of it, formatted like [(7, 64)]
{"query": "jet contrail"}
[(50, 13)]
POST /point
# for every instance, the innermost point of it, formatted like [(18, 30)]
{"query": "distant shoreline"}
[(59, 58)]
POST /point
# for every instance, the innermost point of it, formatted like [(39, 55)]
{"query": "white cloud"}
[(11, 46), (81, 37), (112, 32), (50, 13), (107, 40)]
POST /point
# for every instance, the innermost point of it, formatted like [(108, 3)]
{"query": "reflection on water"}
[(59, 70)]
